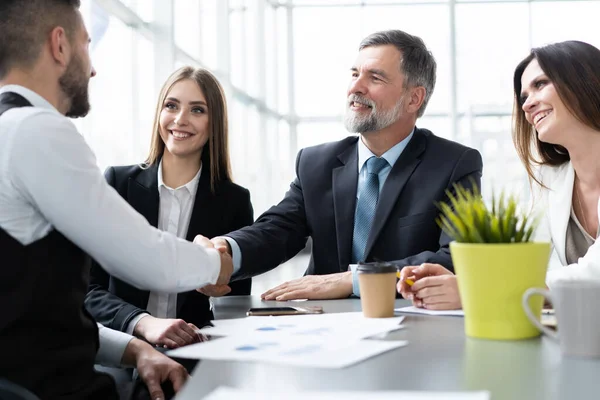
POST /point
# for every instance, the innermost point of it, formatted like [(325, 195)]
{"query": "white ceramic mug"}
[(577, 310)]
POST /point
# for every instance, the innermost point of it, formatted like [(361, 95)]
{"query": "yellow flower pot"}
[(492, 279)]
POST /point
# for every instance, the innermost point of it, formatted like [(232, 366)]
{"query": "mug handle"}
[(525, 302)]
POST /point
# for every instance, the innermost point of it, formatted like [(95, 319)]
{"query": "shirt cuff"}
[(355, 286), (112, 346), (133, 323), (236, 254)]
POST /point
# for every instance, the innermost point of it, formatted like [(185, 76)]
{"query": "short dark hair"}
[(418, 64), (25, 24), (572, 67)]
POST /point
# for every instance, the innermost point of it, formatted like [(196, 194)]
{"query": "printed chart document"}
[(416, 310), (347, 325), (224, 393), (309, 350), (320, 341)]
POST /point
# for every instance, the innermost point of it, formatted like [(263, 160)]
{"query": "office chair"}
[(12, 391)]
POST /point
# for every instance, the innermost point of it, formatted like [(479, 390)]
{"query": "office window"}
[(282, 50), (244, 41), (325, 53), (238, 45), (440, 126), (271, 40), (491, 40), (565, 20), (312, 133), (186, 27), (143, 8), (209, 33), (109, 128)]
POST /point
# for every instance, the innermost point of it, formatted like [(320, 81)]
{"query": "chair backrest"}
[(12, 391)]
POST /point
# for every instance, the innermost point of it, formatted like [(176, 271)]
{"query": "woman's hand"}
[(434, 288)]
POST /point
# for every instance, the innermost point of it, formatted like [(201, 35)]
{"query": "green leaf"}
[(465, 217)]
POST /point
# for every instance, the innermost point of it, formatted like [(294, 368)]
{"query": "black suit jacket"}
[(321, 204), (115, 303)]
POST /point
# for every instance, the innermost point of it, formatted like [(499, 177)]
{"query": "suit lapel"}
[(559, 207), (395, 182), (142, 194), (345, 180)]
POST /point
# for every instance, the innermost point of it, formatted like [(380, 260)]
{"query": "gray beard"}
[(375, 121)]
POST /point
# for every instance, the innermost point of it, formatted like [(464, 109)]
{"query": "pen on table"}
[(409, 282)]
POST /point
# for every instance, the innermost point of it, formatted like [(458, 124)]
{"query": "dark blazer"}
[(115, 303), (321, 203)]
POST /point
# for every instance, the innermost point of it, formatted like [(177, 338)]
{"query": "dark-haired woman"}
[(557, 136)]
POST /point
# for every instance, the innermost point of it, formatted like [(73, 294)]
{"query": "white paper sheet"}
[(415, 310), (308, 351), (346, 325), (224, 393)]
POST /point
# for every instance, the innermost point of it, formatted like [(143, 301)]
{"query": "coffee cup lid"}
[(376, 268)]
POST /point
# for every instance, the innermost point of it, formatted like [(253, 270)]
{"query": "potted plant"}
[(495, 263)]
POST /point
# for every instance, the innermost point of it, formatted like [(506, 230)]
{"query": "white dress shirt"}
[(112, 346), (174, 213), (49, 180)]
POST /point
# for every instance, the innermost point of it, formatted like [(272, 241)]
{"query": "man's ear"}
[(417, 96), (60, 47)]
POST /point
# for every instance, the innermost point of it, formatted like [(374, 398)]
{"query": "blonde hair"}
[(218, 143)]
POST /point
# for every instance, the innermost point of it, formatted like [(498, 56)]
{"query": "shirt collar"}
[(391, 156), (191, 186), (35, 99)]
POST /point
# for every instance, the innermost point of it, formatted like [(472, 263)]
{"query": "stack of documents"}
[(352, 325), (224, 393), (321, 341)]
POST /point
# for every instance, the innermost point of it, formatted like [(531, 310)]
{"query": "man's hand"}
[(169, 333), (154, 368), (204, 242), (224, 252), (435, 287), (226, 267), (221, 243), (214, 290), (313, 287)]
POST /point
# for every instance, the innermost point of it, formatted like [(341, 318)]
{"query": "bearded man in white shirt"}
[(56, 210)]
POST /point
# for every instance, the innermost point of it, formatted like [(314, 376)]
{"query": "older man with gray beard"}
[(367, 197)]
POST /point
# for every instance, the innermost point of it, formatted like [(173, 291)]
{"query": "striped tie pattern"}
[(365, 208)]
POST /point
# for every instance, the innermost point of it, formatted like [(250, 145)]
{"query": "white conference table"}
[(439, 357)]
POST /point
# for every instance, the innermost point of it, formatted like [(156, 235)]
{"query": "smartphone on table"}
[(275, 311)]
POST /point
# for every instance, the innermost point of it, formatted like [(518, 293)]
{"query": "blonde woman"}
[(183, 187)]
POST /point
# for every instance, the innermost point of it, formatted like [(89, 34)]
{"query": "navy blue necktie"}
[(365, 208)]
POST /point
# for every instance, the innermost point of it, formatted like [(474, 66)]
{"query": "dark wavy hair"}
[(574, 69)]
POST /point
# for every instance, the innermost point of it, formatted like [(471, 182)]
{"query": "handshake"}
[(221, 288)]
